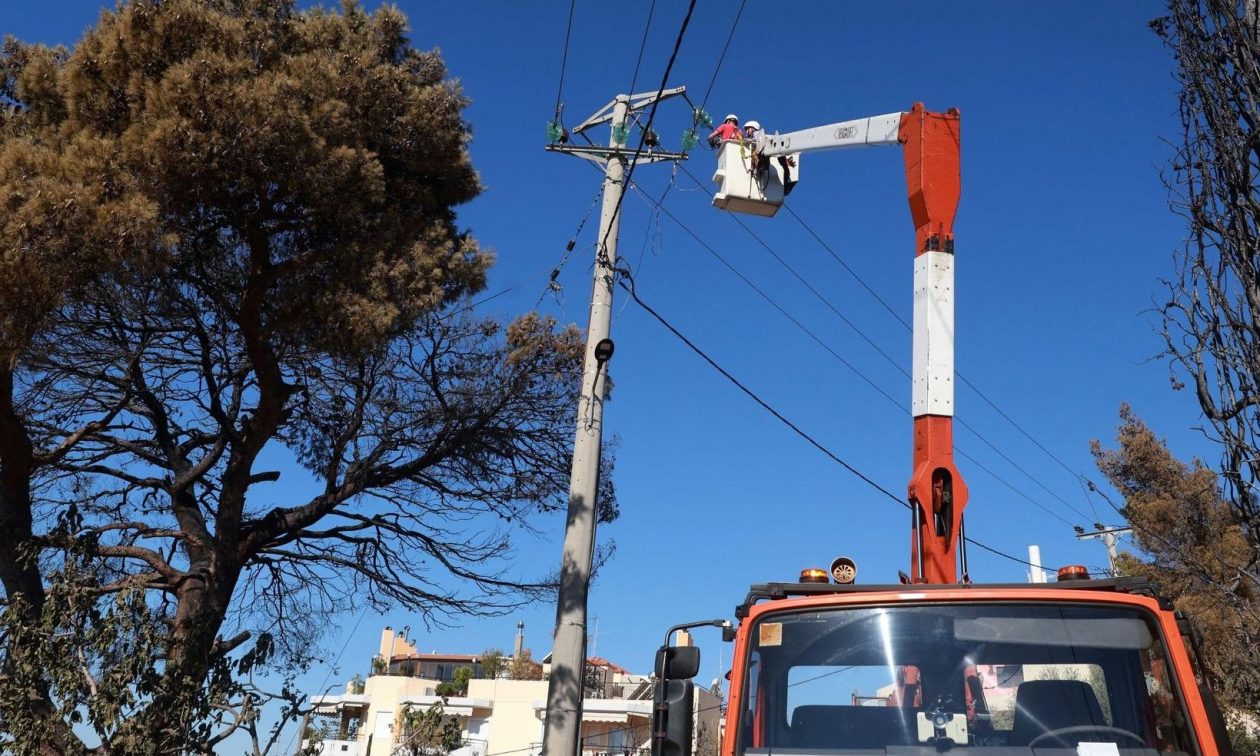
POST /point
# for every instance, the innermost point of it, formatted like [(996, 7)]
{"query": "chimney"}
[(387, 643), (684, 638), (519, 645)]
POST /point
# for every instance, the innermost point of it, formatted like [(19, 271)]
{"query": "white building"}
[(496, 716)]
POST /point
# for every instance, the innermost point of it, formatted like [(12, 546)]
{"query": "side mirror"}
[(679, 663), (675, 700), (671, 731)]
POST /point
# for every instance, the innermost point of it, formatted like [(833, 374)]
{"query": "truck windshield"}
[(991, 678)]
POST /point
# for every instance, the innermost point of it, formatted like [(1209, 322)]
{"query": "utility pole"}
[(1109, 536), (561, 735)]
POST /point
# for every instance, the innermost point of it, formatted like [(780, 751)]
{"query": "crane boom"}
[(863, 132), (930, 145)]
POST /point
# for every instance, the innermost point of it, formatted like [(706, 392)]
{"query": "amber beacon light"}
[(814, 575), (1073, 572)]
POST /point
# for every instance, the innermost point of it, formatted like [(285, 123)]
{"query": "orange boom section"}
[(931, 148)]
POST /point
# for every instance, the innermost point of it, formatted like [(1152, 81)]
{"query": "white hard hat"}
[(753, 125), (731, 117)]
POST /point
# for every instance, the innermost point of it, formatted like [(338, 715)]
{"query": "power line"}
[(1026, 434), (496, 295), (817, 294), (1186, 558), (1003, 554), (630, 289), (673, 56), (840, 358), (642, 44), (722, 57), (983, 468), (897, 365), (835, 256), (751, 394), (564, 59), (336, 661), (1027, 474), (712, 80), (961, 377), (569, 248), (770, 300)]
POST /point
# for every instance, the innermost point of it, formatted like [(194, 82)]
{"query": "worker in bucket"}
[(727, 131), (752, 137)]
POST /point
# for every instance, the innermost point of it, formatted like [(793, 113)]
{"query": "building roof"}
[(466, 658), (599, 661)]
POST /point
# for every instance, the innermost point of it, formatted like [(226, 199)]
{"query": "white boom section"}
[(933, 364), (864, 132)]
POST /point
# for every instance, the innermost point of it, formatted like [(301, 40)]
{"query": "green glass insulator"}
[(704, 118), (620, 132), (689, 139), (554, 132)]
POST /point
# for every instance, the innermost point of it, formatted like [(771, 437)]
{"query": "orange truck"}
[(936, 663)]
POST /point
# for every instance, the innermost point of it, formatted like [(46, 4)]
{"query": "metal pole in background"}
[(1109, 536), (562, 730)]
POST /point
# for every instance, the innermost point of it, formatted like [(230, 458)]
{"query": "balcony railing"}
[(331, 747), (477, 745), (592, 749)]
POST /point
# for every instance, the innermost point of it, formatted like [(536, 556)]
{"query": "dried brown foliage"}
[(227, 239), (1191, 542)]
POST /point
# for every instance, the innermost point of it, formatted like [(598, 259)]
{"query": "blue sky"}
[(1062, 236)]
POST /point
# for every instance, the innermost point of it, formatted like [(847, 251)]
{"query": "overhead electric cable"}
[(1239, 571), (890, 360), (496, 295), (961, 377), (673, 56), (805, 329), (349, 636), (750, 393), (817, 294), (564, 59), (569, 248), (1003, 554), (642, 44), (983, 468), (722, 57), (770, 300), (1026, 434), (845, 265), (630, 289), (1025, 472)]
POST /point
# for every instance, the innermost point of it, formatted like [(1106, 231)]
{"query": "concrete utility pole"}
[(1109, 536), (568, 656)]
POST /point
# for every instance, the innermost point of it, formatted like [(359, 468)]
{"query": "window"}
[(1006, 677), (1001, 686)]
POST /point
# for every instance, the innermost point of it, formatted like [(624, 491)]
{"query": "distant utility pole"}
[(564, 691), (1109, 536)]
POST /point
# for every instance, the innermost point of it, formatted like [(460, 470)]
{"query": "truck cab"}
[(1085, 667)]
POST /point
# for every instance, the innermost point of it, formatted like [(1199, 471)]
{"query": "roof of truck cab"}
[(1132, 586)]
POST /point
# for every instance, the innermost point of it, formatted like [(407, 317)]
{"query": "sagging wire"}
[(553, 286)]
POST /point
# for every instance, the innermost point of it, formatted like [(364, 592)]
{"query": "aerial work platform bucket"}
[(742, 192)]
